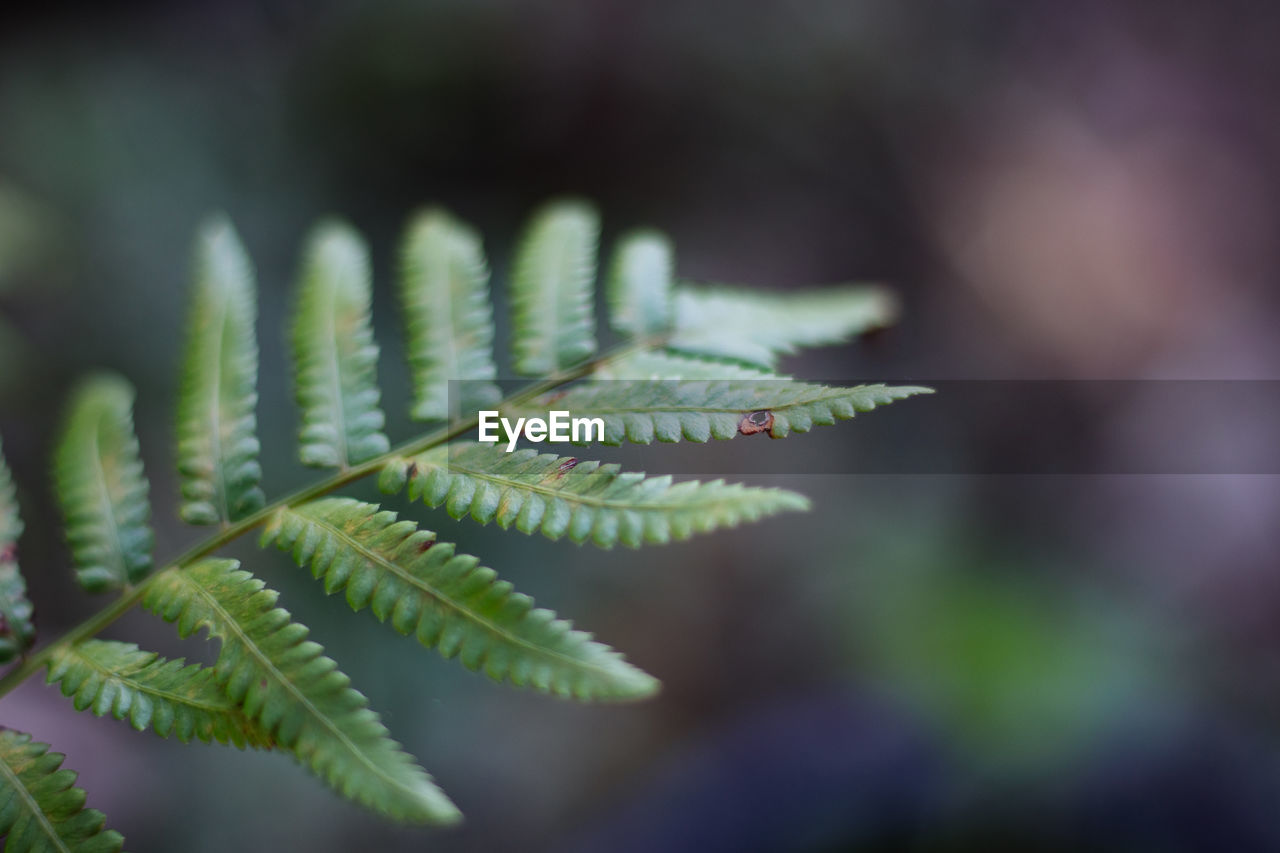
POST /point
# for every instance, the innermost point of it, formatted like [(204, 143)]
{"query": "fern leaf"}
[(122, 680), (449, 601), (552, 289), (335, 353), (444, 293), (217, 441), (285, 683), (658, 364), (102, 488), (756, 327), (40, 807), (640, 284), (643, 410), (583, 501), (17, 632)]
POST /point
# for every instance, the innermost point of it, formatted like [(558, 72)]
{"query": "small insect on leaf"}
[(754, 422), (566, 466)]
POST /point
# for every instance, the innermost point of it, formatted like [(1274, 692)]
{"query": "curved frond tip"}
[(584, 501), (449, 601), (335, 355), (101, 487)]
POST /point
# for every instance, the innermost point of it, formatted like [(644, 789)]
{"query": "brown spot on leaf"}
[(425, 545), (411, 471), (754, 422), (566, 466)]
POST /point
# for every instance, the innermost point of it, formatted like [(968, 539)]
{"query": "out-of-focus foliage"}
[(17, 631), (102, 487)]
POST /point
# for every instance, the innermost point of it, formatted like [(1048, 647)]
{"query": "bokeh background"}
[(936, 661)]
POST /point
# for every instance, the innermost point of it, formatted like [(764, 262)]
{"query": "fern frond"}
[(665, 365), (552, 289), (449, 601), (101, 487), (40, 807), (122, 680), (757, 327), (444, 293), (17, 632), (285, 683), (581, 500), (639, 286), (334, 353), (640, 411), (217, 440)]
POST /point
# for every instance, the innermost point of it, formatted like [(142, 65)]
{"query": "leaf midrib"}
[(590, 500), (105, 495), (33, 805), (328, 345), (215, 405), (130, 679)]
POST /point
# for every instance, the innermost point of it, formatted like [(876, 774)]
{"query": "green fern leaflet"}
[(102, 488), (335, 354), (449, 601), (584, 501), (217, 423), (283, 682), (40, 807), (169, 696)]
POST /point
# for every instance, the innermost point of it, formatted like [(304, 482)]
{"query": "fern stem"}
[(120, 606)]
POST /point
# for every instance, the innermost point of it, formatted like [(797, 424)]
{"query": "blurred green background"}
[(925, 662)]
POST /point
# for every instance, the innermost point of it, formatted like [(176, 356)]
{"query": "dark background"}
[(1082, 191)]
